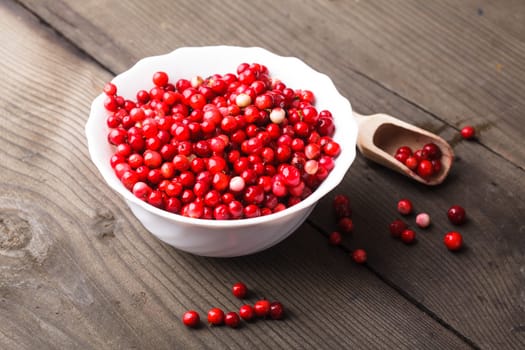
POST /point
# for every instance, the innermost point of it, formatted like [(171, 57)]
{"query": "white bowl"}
[(226, 238)]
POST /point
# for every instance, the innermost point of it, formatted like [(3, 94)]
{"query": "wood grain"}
[(78, 271)]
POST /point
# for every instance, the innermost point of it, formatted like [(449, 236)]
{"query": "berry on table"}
[(191, 318), (231, 319), (456, 214), (246, 312), (335, 238), (468, 132), (276, 310), (453, 240), (396, 227), (239, 290), (423, 220), (346, 224), (408, 236), (359, 256), (405, 207), (215, 316), (262, 308)]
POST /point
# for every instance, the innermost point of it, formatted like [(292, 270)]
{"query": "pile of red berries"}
[(228, 146), (343, 214), (217, 317), (425, 161), (398, 228)]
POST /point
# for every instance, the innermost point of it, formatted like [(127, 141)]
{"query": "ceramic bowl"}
[(223, 238)]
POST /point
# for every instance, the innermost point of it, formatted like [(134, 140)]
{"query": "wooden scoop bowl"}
[(380, 135)]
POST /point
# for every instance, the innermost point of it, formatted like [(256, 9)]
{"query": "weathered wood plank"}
[(78, 271), (453, 76), (449, 58)]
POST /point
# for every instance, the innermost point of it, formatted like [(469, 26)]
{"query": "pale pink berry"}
[(237, 184), (423, 220)]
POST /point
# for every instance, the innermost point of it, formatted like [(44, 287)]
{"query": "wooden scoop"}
[(380, 136)]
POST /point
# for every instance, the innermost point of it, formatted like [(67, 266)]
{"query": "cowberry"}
[(453, 240), (239, 290), (408, 236), (246, 312), (468, 132), (456, 214), (397, 227), (335, 238), (231, 319), (359, 256), (261, 308), (346, 224), (276, 310), (405, 207), (215, 316), (423, 220), (191, 318)]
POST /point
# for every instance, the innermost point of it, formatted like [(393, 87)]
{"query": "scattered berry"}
[(456, 214), (231, 319), (346, 224), (423, 220), (397, 227), (342, 206), (216, 316), (239, 290), (408, 236), (453, 240), (262, 308), (246, 312), (276, 310), (335, 238), (468, 132), (359, 256), (404, 207), (191, 319)]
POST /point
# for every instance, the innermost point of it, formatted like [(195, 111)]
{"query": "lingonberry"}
[(359, 256), (335, 238), (404, 206), (432, 150), (397, 227), (346, 224), (246, 312), (231, 319), (215, 316), (276, 310), (425, 168), (423, 220), (207, 133), (239, 290), (468, 132), (456, 214), (191, 318), (261, 308), (453, 240), (408, 236)]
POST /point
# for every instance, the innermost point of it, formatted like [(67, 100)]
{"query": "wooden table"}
[(79, 272)]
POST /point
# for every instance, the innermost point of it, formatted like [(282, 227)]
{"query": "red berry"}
[(456, 214), (408, 236), (216, 316), (160, 78), (246, 312), (346, 224), (404, 149), (231, 319), (404, 206), (453, 240), (335, 238), (262, 308), (397, 227), (468, 132), (425, 169), (359, 256), (191, 319), (239, 290), (276, 310), (432, 150), (411, 163)]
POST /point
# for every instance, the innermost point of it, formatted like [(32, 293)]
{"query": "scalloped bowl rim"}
[(96, 122)]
